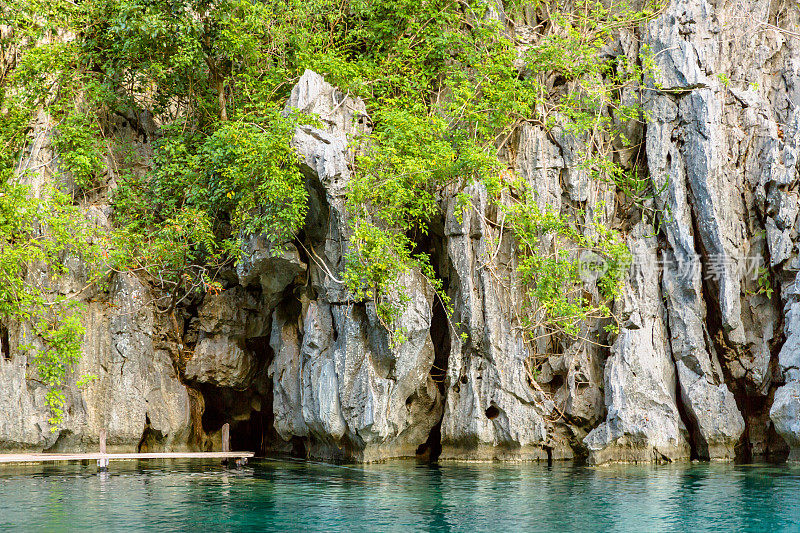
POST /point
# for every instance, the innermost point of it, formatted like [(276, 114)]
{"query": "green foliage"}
[(557, 259), (62, 344), (445, 93), (251, 172), (79, 150), (182, 222), (764, 281), (40, 229), (13, 123), (443, 120)]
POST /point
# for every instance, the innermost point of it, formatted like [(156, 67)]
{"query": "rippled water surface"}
[(399, 496)]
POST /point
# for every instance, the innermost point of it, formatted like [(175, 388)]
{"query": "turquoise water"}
[(399, 496)]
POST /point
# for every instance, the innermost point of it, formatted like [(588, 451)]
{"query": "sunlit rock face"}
[(337, 382), (692, 371), (643, 423), (134, 390)]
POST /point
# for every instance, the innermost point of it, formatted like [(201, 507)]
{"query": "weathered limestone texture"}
[(336, 381), (706, 362), (137, 388), (643, 422)]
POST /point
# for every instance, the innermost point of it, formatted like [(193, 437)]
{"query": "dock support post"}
[(226, 440), (102, 463), (226, 437)]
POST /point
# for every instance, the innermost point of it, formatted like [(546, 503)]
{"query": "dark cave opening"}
[(249, 410), (431, 449), (298, 448), (249, 434), (249, 413), (693, 432), (440, 335), (150, 438)]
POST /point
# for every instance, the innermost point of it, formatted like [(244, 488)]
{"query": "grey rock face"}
[(286, 373), (327, 157), (221, 361), (136, 386), (785, 411), (271, 266), (135, 391), (708, 143), (709, 330), (343, 387), (227, 321), (137, 379), (336, 380), (491, 411), (234, 312), (508, 399), (643, 422)]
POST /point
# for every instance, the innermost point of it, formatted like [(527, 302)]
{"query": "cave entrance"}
[(249, 414), (250, 434)]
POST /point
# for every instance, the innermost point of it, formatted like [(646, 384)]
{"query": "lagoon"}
[(285, 495)]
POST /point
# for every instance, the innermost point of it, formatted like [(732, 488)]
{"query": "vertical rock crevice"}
[(692, 430), (440, 336), (5, 347), (441, 329)]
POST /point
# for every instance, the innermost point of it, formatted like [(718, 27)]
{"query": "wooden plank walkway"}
[(104, 458), (51, 457)]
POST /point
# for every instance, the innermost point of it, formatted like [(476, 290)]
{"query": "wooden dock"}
[(61, 457), (104, 458)]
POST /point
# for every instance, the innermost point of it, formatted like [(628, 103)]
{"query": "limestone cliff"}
[(704, 366)]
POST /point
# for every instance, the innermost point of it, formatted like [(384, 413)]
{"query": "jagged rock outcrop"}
[(272, 266), (785, 411), (337, 382), (227, 321), (492, 412), (136, 389), (714, 142), (714, 125), (643, 422)]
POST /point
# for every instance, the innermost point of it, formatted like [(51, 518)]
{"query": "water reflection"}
[(400, 496)]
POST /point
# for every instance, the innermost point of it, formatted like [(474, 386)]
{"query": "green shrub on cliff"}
[(37, 234), (181, 223)]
